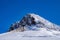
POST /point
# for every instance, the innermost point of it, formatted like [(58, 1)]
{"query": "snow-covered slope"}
[(32, 27), (43, 34)]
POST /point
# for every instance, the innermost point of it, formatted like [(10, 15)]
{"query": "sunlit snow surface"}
[(42, 34), (43, 31)]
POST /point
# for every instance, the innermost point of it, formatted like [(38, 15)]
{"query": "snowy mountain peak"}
[(33, 22), (32, 27)]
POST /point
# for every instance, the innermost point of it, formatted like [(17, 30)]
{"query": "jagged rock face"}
[(33, 22)]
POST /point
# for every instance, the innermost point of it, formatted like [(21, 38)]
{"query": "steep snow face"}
[(41, 19), (44, 21), (33, 22), (42, 34)]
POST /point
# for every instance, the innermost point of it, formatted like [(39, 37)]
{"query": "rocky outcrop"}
[(30, 20)]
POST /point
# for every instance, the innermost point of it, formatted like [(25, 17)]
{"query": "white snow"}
[(41, 19), (43, 34), (35, 33)]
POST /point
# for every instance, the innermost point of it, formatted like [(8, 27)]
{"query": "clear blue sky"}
[(13, 10)]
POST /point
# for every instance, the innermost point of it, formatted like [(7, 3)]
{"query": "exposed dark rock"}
[(30, 20)]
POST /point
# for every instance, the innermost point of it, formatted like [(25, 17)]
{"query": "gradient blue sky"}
[(13, 10)]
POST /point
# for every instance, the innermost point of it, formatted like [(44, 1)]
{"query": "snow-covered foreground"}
[(42, 34)]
